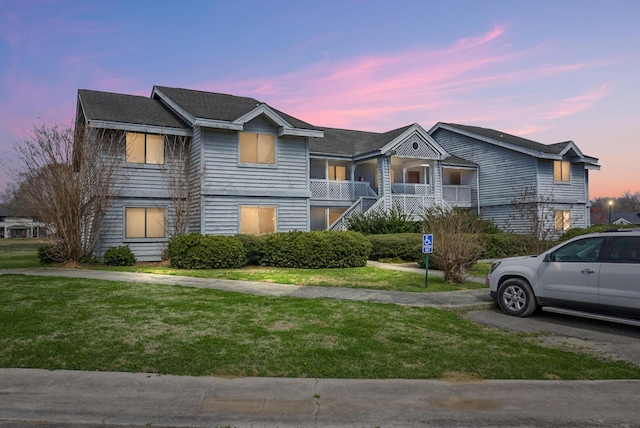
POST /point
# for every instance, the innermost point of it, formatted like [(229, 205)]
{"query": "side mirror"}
[(547, 258)]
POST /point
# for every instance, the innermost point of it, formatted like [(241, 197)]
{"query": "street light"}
[(610, 205)]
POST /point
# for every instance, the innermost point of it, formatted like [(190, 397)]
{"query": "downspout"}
[(478, 187)]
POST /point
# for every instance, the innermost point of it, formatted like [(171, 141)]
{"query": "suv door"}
[(569, 275), (619, 282)]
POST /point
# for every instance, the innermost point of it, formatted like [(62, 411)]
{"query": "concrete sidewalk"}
[(464, 299), (73, 398)]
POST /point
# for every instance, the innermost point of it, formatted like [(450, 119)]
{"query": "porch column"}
[(437, 182), (352, 171), (384, 181), (404, 175)]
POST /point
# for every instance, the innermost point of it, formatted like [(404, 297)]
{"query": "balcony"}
[(339, 190), (412, 189), (457, 196)]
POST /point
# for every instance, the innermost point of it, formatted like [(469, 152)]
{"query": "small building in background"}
[(15, 225)]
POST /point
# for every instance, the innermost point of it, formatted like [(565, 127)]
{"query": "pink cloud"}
[(571, 106)]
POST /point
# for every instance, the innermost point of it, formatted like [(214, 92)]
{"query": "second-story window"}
[(145, 148), (561, 171), (257, 148)]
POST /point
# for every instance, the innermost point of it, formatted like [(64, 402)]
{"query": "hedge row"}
[(307, 250), (408, 246)]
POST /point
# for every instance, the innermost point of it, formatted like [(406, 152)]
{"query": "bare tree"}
[(534, 216), (67, 180), (456, 240), (176, 173)]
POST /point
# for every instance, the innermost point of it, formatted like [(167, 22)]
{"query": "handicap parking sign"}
[(427, 243)]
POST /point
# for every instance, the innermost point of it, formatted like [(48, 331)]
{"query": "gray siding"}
[(225, 176), (573, 191), (222, 214), (503, 173), (195, 181), (113, 230)]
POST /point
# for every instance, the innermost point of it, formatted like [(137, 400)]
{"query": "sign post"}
[(427, 248)]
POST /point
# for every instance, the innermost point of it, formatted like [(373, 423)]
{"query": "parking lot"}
[(603, 339)]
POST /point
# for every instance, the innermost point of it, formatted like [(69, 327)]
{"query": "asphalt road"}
[(605, 339)]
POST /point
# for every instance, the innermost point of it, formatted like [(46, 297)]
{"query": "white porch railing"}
[(414, 205), (340, 190), (412, 189), (457, 195), (363, 205)]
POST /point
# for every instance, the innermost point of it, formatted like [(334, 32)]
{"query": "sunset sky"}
[(549, 71)]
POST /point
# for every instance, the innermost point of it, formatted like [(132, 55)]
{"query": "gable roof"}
[(513, 142), (628, 218), (216, 107), (108, 107)]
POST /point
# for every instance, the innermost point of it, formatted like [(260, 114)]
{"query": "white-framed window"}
[(561, 171), (257, 148), (144, 222), (145, 148), (257, 220), (563, 220)]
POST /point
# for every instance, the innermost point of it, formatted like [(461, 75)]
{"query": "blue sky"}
[(549, 71)]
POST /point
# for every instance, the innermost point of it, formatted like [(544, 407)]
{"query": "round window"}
[(415, 145)]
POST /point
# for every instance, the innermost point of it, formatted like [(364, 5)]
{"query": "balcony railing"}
[(412, 189), (339, 190), (457, 195)]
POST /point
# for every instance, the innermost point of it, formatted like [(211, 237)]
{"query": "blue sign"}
[(427, 243)]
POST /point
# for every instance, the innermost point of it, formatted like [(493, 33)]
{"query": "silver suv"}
[(596, 273)]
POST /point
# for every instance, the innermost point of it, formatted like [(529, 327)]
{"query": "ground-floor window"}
[(322, 218), (563, 220), (144, 222), (257, 220)]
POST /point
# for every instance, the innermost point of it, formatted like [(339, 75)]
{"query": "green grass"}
[(79, 324), (479, 269), (363, 277), (19, 253)]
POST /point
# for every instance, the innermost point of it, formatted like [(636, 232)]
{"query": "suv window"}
[(583, 250), (624, 249)]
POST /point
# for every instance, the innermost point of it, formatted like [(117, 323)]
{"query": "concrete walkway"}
[(32, 397), (460, 300)]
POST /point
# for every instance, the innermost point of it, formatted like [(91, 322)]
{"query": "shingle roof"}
[(352, 143), (215, 106), (455, 160), (633, 218), (512, 139), (124, 108)]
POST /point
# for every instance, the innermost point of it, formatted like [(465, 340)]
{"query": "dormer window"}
[(561, 171), (145, 148), (257, 148)]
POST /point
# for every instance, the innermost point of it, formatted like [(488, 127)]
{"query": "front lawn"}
[(363, 277), (80, 324), (19, 253)]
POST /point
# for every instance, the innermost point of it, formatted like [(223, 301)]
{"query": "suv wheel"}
[(516, 298)]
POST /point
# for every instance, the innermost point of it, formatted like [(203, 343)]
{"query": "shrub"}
[(195, 251), (374, 223), (456, 236), (577, 231), (315, 250), (406, 246), (252, 245), (500, 245), (119, 256), (46, 254)]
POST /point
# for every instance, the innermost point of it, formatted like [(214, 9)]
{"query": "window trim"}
[(559, 164), (145, 163), (258, 164), (145, 238), (275, 217), (566, 223)]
